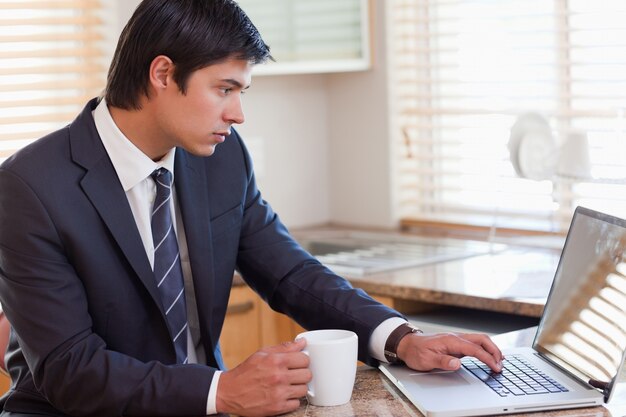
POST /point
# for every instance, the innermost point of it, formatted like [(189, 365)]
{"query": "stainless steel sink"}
[(362, 253)]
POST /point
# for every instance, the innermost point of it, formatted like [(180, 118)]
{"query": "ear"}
[(161, 72)]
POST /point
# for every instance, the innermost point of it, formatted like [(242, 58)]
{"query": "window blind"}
[(572, 333), (462, 73), (312, 36), (51, 63)]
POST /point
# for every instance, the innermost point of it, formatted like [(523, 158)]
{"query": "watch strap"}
[(391, 346)]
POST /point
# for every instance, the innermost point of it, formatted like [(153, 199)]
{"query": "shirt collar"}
[(130, 163)]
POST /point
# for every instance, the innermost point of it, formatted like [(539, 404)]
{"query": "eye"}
[(226, 90)]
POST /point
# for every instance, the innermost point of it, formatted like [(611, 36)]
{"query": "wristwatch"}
[(391, 346)]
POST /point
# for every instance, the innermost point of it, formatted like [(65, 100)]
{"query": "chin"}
[(202, 151)]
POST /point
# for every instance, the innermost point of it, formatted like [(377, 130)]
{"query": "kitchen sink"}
[(363, 253)]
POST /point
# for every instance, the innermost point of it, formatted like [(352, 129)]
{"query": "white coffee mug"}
[(333, 355)]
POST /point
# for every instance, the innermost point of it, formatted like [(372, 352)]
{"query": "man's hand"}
[(269, 382), (426, 352)]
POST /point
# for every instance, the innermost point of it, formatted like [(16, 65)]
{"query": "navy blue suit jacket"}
[(89, 332)]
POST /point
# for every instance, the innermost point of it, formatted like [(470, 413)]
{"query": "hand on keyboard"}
[(425, 352)]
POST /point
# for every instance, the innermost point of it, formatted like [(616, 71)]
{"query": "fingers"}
[(487, 344), (290, 353), (299, 376), (442, 351), (449, 363), (485, 350), (286, 347)]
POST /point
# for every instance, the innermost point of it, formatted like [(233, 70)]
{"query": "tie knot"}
[(162, 176)]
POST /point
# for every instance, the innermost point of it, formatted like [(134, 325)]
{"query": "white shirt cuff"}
[(380, 336), (211, 402)]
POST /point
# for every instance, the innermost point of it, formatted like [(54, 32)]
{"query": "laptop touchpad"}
[(438, 379)]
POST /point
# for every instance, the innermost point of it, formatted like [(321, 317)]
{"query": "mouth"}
[(221, 135)]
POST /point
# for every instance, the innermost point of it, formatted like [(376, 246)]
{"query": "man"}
[(116, 281)]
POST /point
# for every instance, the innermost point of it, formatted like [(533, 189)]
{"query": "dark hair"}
[(192, 33)]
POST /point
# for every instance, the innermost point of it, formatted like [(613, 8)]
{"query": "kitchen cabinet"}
[(241, 334), (251, 324), (312, 36)]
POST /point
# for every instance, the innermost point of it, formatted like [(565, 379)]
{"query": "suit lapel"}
[(193, 199), (102, 187), (113, 207)]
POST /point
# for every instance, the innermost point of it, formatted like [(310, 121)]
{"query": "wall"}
[(361, 174), (290, 116), (320, 141)]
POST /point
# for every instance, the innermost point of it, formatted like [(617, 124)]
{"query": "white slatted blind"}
[(463, 70), (312, 36), (51, 63)]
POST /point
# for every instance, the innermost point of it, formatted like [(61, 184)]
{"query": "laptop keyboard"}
[(518, 377)]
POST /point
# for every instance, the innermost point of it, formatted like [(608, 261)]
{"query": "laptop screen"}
[(583, 327)]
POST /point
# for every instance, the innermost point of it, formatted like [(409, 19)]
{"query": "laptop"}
[(578, 350)]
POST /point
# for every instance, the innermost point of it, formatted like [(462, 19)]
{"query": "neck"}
[(139, 127)]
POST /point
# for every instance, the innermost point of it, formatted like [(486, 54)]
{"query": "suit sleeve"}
[(48, 307), (295, 283)]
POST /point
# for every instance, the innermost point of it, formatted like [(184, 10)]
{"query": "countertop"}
[(515, 282), (512, 278)]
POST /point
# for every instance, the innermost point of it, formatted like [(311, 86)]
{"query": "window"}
[(463, 71), (51, 63)]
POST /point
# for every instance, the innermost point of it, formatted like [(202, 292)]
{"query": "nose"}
[(234, 111)]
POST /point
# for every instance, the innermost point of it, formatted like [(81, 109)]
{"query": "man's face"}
[(199, 120)]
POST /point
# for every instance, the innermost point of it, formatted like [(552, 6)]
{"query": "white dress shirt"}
[(133, 169)]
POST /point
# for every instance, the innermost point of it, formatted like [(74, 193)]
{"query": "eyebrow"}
[(235, 83)]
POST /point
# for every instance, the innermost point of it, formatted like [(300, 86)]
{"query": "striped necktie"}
[(167, 267)]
